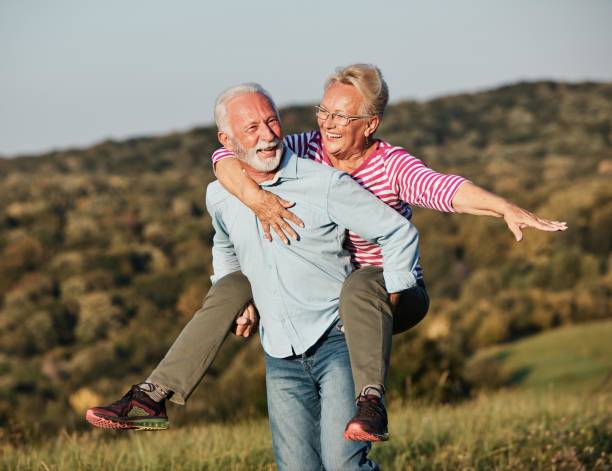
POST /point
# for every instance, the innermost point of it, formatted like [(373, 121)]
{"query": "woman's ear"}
[(372, 126)]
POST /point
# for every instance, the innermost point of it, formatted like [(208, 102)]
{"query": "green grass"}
[(565, 427), (507, 430), (575, 357)]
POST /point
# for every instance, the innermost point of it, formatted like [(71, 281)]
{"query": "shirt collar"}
[(287, 169)]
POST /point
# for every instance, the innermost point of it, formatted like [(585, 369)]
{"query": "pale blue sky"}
[(73, 73)]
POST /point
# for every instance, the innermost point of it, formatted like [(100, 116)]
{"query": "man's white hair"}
[(227, 95)]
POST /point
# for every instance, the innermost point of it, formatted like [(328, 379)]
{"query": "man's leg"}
[(369, 323), (185, 363), (193, 351), (332, 369), (294, 413)]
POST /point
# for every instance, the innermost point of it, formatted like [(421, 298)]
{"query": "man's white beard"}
[(261, 164)]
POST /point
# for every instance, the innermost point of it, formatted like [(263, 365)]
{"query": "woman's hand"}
[(272, 212), (518, 219), (269, 208), (472, 199)]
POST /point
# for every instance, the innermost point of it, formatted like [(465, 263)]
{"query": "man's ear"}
[(225, 140), (373, 124)]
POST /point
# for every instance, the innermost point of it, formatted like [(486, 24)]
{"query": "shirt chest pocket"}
[(317, 224), (311, 215)]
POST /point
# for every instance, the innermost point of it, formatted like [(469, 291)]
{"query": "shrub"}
[(97, 315)]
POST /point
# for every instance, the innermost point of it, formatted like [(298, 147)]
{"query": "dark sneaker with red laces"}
[(135, 411), (370, 422)]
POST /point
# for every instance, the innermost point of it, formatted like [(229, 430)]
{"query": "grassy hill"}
[(105, 254), (572, 357), (565, 428)]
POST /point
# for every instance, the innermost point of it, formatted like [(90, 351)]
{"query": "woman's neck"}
[(352, 161)]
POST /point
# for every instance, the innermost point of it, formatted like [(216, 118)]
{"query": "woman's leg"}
[(193, 351), (369, 322), (411, 308), (368, 326)]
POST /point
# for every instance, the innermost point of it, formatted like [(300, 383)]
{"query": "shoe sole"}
[(357, 434), (141, 424)]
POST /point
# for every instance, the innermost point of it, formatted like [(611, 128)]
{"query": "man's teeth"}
[(333, 136)]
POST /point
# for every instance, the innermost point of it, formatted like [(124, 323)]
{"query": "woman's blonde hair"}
[(368, 79)]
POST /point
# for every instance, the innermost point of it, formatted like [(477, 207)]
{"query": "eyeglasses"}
[(337, 118)]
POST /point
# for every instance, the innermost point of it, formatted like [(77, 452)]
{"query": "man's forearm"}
[(472, 199)]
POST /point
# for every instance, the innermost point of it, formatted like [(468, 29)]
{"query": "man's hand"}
[(246, 323), (272, 213), (393, 300), (518, 219)]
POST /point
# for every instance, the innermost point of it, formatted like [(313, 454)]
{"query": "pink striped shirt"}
[(391, 174)]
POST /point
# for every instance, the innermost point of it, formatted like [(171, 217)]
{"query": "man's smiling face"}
[(256, 134)]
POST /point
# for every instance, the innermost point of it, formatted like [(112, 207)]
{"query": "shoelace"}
[(127, 395), (370, 407)]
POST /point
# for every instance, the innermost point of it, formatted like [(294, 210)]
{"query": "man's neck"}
[(256, 175)]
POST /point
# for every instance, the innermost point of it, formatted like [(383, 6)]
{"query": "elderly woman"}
[(348, 116)]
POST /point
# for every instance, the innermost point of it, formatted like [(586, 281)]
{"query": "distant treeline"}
[(105, 253)]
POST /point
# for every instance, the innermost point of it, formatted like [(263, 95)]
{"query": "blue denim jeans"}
[(310, 401)]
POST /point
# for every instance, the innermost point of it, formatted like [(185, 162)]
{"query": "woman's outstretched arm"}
[(472, 199)]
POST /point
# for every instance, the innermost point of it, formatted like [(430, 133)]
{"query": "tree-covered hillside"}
[(105, 252)]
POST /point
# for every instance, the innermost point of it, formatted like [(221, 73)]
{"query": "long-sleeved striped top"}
[(392, 174)]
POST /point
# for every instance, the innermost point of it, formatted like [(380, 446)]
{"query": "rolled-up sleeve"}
[(353, 207)]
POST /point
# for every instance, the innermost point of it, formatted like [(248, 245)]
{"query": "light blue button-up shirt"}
[(296, 287)]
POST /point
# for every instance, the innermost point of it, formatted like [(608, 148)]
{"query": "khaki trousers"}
[(370, 322), (194, 350), (368, 319)]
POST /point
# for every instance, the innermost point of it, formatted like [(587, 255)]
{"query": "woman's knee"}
[(412, 309), (364, 281), (232, 289)]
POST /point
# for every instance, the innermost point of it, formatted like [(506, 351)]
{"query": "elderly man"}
[(295, 286)]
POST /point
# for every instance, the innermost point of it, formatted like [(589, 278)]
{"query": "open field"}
[(508, 430), (553, 427), (105, 254)]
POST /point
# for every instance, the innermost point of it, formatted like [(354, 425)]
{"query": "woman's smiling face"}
[(344, 141)]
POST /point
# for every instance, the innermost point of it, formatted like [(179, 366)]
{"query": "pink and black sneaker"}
[(134, 411), (370, 422)]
